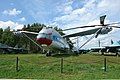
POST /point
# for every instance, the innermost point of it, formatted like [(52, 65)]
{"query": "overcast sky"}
[(61, 13)]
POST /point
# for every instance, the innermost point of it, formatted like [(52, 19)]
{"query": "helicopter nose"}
[(44, 41)]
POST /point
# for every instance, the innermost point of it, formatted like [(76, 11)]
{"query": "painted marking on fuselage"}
[(58, 39)]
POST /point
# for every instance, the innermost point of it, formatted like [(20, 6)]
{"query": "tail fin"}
[(102, 18), (119, 42)]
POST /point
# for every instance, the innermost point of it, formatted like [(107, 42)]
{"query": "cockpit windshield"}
[(44, 35)]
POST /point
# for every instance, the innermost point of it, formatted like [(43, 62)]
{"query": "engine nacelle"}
[(106, 30)]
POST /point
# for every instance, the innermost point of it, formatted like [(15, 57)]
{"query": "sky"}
[(61, 13)]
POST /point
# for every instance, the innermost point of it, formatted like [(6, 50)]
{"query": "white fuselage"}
[(52, 39)]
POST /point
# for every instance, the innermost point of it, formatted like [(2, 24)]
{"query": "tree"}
[(8, 37), (59, 30), (1, 32)]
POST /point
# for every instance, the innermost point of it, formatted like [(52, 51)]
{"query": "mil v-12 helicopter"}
[(54, 41)]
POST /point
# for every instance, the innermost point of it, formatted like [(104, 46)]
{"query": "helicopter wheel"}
[(48, 53)]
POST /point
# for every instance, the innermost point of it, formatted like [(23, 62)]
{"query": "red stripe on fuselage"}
[(44, 41)]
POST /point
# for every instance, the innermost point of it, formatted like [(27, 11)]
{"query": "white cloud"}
[(11, 4), (65, 8), (11, 24), (12, 12), (79, 11), (89, 15), (22, 19), (90, 11)]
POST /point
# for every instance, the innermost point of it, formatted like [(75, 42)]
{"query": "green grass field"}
[(38, 66)]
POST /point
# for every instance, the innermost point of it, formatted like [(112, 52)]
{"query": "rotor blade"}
[(112, 23), (78, 27), (102, 18), (115, 26)]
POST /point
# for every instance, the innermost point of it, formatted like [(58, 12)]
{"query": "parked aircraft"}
[(114, 47), (7, 49), (50, 38), (98, 49)]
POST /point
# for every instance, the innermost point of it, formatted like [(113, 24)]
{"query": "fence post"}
[(17, 67), (61, 65), (105, 64)]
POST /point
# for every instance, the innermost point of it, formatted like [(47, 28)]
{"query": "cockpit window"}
[(44, 35)]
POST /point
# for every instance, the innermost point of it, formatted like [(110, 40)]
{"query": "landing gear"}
[(44, 52), (117, 53), (76, 53), (102, 53), (48, 53)]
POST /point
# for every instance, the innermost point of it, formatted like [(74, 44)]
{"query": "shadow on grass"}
[(64, 55), (110, 55), (96, 54), (105, 54)]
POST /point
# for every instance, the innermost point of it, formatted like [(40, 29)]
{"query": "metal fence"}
[(61, 65)]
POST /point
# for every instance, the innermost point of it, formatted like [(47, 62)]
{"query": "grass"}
[(38, 66)]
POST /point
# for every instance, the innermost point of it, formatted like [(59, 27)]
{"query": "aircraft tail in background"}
[(115, 42)]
